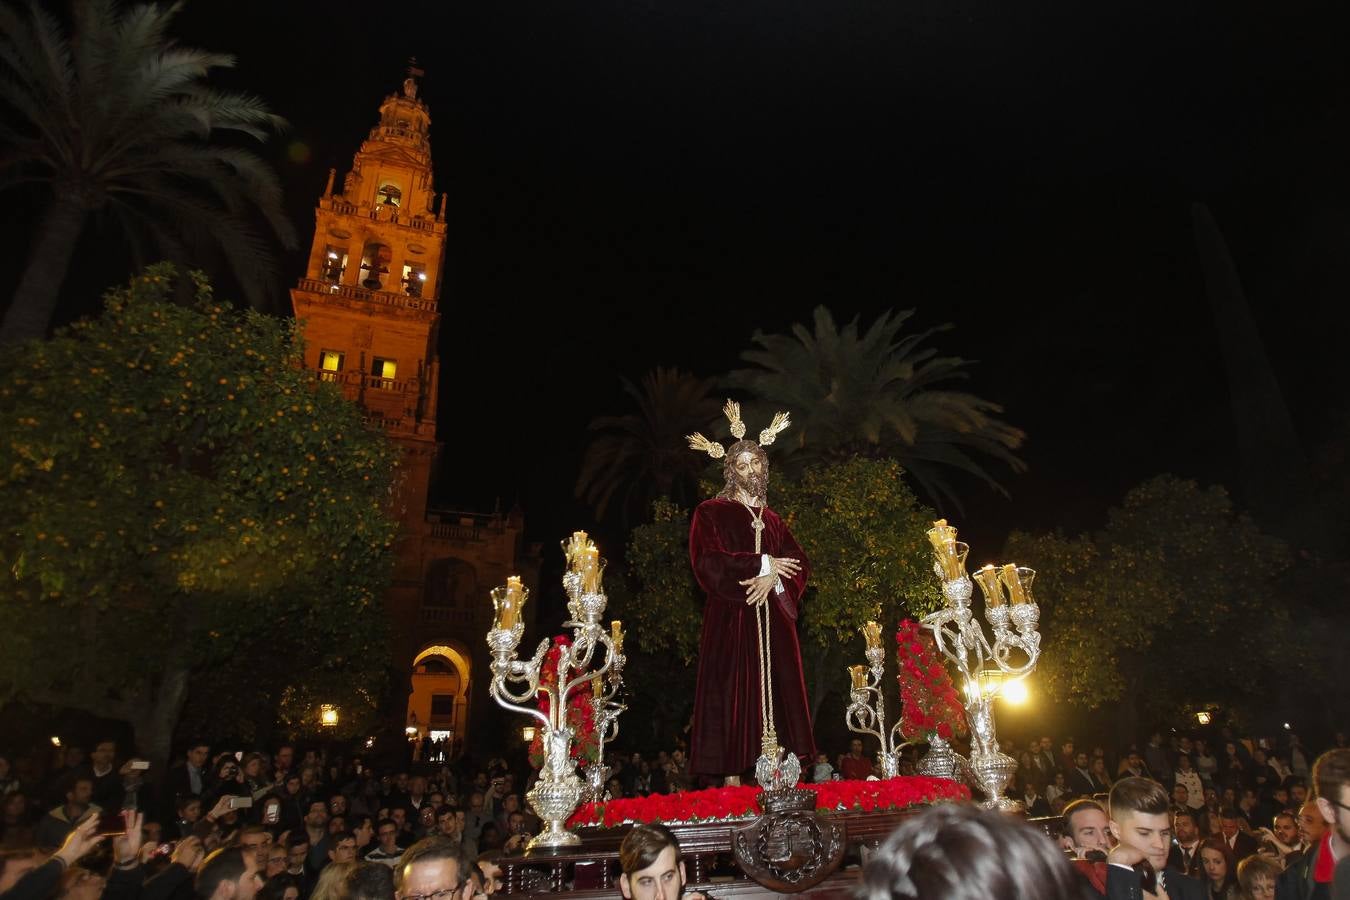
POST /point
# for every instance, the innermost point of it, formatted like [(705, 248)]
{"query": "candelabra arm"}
[(583, 662), (505, 669)]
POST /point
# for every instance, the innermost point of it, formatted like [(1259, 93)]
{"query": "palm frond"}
[(879, 391)]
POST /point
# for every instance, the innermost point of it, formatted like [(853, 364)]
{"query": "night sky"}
[(642, 183)]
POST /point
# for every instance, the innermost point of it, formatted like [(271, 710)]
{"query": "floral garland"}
[(930, 705), (717, 804), (580, 715)]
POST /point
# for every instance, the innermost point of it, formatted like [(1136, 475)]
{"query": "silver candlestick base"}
[(991, 773)]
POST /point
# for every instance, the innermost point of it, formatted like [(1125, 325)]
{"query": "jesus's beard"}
[(755, 486)]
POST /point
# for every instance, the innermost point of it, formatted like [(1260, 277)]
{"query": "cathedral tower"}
[(370, 301)]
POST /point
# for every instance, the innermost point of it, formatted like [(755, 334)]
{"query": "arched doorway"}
[(438, 707)]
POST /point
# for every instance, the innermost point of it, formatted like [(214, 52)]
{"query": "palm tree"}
[(118, 120), (877, 393), (637, 457)]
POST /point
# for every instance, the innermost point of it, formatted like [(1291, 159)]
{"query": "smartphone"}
[(163, 850), (358, 768), (140, 765), (238, 756), (111, 823), (240, 802), (272, 815)]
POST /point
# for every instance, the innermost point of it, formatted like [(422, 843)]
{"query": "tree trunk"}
[(34, 302), (158, 719)]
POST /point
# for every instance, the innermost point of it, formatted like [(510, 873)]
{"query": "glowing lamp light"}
[(332, 255), (328, 715), (370, 742), (528, 733), (1015, 692), (1203, 717), (411, 731), (421, 276), (1288, 727), (56, 741)]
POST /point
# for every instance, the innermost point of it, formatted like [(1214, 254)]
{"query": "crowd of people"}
[(298, 824)]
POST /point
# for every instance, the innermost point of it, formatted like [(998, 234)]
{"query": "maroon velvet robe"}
[(726, 733)]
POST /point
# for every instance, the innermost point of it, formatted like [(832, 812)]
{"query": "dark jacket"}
[(1125, 884), (1296, 883)]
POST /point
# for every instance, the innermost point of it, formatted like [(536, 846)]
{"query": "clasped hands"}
[(757, 588)]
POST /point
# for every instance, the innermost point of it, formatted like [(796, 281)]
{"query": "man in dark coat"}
[(1140, 821), (746, 560)]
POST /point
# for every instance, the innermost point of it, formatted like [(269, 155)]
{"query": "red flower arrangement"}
[(716, 804), (580, 716), (931, 706)]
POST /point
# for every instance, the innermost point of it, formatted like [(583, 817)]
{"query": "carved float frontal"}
[(791, 847), (738, 842)]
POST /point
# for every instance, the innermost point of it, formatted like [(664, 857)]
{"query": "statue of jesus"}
[(754, 574)]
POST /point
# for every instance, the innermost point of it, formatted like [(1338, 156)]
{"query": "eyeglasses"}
[(1336, 803), (443, 894)]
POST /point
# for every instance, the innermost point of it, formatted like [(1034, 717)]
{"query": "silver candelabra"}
[(866, 713), (985, 668), (558, 790)]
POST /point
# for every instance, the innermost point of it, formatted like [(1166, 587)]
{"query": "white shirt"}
[(765, 567)]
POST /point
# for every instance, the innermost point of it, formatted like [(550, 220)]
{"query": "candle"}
[(590, 570), (575, 547), (1012, 580), (987, 579), (872, 633), (947, 551), (597, 687), (508, 602), (859, 676)]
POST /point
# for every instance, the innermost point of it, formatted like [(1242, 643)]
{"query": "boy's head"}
[(1139, 818)]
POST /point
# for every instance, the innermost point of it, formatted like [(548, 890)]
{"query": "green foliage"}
[(1174, 603), (877, 393), (665, 614), (177, 492), (863, 531)]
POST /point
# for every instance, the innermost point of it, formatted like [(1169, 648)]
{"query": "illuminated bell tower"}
[(369, 297), (369, 301)]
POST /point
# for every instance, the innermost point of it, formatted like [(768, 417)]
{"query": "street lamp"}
[(528, 733), (56, 741), (328, 715), (1015, 692), (1203, 717)]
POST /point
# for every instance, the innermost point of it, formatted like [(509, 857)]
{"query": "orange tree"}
[(181, 500), (1176, 604)]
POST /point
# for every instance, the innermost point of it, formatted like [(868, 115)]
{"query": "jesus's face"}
[(748, 475)]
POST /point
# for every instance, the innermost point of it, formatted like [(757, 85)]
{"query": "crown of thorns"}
[(733, 413)]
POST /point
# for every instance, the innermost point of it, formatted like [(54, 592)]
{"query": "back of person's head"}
[(1076, 807), (960, 852), (370, 881), (1330, 773), (226, 865), (275, 887), (643, 845), (1138, 795), (428, 849), (332, 883), (13, 865)]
